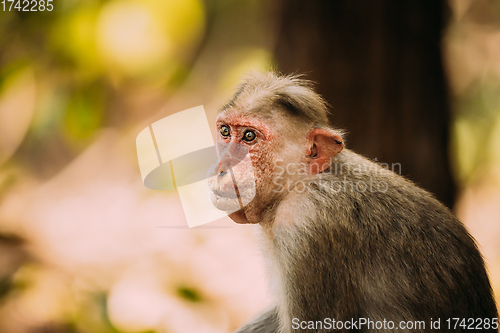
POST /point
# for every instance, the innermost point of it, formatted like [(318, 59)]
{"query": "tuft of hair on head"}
[(266, 93)]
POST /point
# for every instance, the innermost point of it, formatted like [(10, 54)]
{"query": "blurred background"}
[(85, 247)]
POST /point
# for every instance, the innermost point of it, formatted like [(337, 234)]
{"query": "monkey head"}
[(269, 138)]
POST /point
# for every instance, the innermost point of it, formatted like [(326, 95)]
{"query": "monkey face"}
[(231, 180), (246, 164)]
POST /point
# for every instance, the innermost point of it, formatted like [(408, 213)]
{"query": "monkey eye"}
[(224, 131), (249, 136)]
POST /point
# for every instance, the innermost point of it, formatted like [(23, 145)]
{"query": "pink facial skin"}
[(320, 146), (238, 123), (260, 149), (261, 156)]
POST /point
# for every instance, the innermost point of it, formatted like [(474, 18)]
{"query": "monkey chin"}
[(231, 206), (239, 217)]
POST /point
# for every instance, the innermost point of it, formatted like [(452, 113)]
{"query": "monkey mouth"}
[(225, 194), (228, 202)]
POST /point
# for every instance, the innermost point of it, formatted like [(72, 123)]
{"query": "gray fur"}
[(266, 322), (389, 252), (394, 255), (269, 93)]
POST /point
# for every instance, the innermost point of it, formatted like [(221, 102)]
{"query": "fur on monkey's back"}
[(396, 254)]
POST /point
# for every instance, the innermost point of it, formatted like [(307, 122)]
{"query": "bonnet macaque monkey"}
[(344, 239)]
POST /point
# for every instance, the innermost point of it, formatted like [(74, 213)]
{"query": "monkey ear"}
[(322, 146)]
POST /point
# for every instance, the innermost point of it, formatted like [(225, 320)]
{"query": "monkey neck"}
[(296, 271), (252, 214), (239, 217), (278, 269), (247, 216)]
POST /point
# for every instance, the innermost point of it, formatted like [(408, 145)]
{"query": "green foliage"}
[(476, 122), (84, 114)]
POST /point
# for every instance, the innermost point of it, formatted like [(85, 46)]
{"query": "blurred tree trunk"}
[(379, 64)]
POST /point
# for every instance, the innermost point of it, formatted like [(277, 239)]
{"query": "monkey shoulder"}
[(364, 203), (402, 245)]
